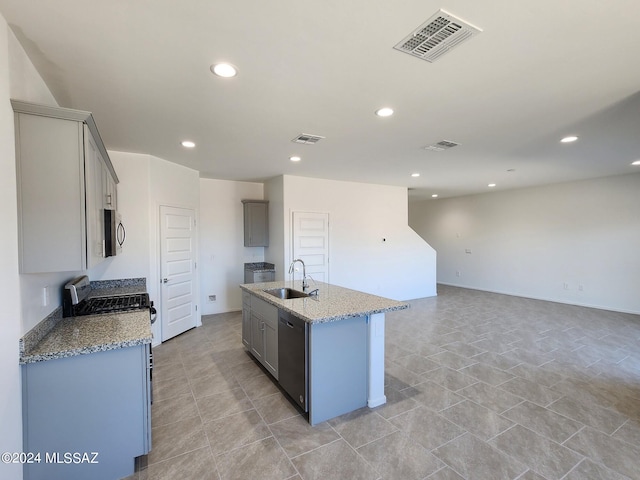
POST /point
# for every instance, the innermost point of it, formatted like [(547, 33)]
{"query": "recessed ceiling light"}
[(569, 139), (225, 70), (295, 159), (415, 174), (188, 144), (435, 195), (637, 162), (491, 185), (384, 112)]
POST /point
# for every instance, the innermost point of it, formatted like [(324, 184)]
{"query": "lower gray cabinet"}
[(261, 318), (271, 345), (246, 319), (88, 416), (257, 336), (251, 276)]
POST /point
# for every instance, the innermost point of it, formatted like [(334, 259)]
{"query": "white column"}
[(376, 361)]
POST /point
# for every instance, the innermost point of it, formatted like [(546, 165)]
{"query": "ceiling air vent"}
[(437, 36), (307, 139), (441, 145)]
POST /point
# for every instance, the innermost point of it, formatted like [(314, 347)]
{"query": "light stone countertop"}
[(260, 267), (331, 304), (82, 335)]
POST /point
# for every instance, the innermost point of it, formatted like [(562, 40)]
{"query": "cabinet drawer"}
[(246, 299), (268, 312), (259, 277)]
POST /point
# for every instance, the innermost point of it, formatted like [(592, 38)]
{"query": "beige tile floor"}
[(479, 386)]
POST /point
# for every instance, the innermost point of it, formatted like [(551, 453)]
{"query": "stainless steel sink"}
[(285, 293)]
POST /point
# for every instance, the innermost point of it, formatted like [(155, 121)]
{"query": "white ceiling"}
[(538, 71)]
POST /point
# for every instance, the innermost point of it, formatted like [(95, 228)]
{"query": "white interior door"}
[(177, 265), (311, 244)]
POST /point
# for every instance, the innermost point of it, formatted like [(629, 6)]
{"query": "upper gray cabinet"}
[(256, 223), (65, 180)]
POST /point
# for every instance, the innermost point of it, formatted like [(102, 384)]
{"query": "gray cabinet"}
[(98, 402), (110, 192), (262, 320), (271, 344), (251, 276), (246, 319), (257, 336), (256, 223), (62, 171)]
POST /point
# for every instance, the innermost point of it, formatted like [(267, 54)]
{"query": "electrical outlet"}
[(212, 298), (565, 285), (457, 273), (45, 296), (581, 288)]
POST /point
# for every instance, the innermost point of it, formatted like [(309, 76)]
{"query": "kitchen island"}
[(343, 343)]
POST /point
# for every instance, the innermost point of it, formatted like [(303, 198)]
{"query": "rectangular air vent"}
[(437, 36), (441, 145), (307, 139)]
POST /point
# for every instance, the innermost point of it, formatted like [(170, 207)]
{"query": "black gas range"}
[(79, 299)]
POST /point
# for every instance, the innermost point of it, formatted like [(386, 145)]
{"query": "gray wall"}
[(575, 243)]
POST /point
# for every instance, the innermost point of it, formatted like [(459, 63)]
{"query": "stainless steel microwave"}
[(114, 233)]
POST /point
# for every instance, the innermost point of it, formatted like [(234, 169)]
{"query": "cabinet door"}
[(256, 224), (109, 189), (94, 193), (257, 337), (246, 326), (271, 348), (51, 194)]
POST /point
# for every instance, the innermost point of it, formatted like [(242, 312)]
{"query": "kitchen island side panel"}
[(338, 363)]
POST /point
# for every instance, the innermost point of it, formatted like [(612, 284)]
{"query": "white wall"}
[(222, 250), (25, 81), (360, 217), (26, 84), (530, 242), (133, 171), (10, 325), (173, 185), (275, 252)]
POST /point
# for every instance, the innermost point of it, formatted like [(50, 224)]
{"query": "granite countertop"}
[(73, 336), (59, 337), (113, 291), (109, 288), (260, 267), (331, 304)]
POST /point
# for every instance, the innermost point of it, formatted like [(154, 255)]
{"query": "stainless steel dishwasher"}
[(293, 361)]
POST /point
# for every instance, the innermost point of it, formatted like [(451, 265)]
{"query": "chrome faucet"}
[(305, 285)]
